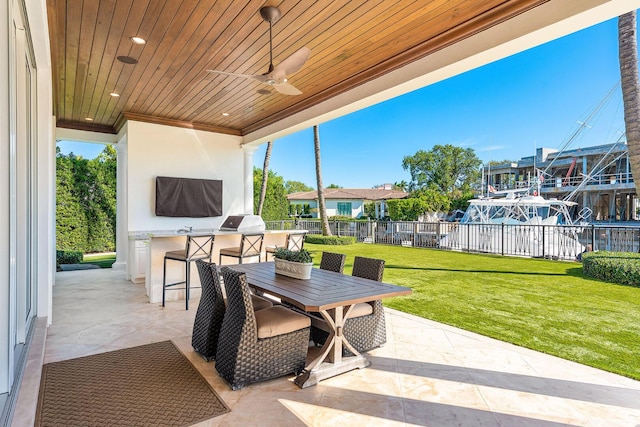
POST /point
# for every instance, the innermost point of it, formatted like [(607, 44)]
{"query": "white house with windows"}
[(347, 201)]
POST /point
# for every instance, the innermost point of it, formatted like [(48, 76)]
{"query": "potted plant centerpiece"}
[(296, 264)]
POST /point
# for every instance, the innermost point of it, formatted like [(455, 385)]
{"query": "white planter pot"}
[(296, 270)]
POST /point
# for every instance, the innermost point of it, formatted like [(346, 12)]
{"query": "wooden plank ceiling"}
[(351, 42)]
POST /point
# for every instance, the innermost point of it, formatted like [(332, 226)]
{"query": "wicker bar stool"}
[(197, 247), (333, 262), (365, 329), (256, 346)]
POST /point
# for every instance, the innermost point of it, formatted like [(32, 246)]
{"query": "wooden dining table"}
[(332, 295)]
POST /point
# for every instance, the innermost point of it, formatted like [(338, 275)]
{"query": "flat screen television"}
[(188, 197)]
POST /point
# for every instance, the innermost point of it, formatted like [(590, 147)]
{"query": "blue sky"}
[(503, 110)]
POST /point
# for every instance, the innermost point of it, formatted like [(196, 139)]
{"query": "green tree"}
[(71, 223), (447, 168), (334, 186), (101, 206), (296, 187), (86, 202), (276, 205)]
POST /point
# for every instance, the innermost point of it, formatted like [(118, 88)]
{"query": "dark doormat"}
[(152, 384)]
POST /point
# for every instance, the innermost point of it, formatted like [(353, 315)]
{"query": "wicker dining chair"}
[(208, 321), (256, 346), (333, 262), (211, 309), (365, 329)]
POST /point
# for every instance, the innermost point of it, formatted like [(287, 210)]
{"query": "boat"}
[(519, 224)]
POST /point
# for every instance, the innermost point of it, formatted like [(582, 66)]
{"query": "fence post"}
[(593, 237), (502, 246), (543, 241)]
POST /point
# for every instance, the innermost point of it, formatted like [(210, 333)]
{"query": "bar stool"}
[(250, 246), (197, 247), (292, 241)]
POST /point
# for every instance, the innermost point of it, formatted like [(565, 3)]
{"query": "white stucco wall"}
[(156, 150)]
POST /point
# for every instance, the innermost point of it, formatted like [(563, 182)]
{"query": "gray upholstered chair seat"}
[(362, 309), (236, 252), (279, 320), (260, 303)]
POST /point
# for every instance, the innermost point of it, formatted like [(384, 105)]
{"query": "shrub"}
[(294, 256), (618, 267), (68, 257), (329, 240)]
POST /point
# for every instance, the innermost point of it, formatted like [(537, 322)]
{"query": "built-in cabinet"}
[(138, 259)]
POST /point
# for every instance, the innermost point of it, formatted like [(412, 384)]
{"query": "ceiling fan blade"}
[(258, 77), (292, 64), (286, 89)]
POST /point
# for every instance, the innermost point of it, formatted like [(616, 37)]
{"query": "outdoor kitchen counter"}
[(147, 249)]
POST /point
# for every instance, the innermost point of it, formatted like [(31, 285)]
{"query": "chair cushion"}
[(278, 320), (179, 255), (230, 251), (271, 249), (362, 309), (260, 303)]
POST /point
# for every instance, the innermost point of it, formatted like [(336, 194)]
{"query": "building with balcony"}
[(598, 178)]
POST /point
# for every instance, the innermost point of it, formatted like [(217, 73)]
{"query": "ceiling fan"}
[(276, 76)]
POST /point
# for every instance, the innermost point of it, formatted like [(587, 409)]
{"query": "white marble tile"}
[(427, 374)]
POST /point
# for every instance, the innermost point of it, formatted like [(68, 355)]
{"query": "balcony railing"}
[(548, 241), (574, 181)]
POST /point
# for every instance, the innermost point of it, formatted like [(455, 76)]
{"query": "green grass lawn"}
[(102, 260), (548, 306)]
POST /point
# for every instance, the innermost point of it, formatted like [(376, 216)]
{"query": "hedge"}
[(622, 268), (329, 240), (68, 257)]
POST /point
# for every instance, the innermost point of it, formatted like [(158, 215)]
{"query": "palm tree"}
[(265, 177), (628, 55), (326, 231)]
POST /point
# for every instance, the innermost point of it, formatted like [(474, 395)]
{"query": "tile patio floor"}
[(428, 374)]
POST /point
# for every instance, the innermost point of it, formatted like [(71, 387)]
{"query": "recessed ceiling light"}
[(225, 114), (89, 119), (115, 95), (127, 59), (138, 40)]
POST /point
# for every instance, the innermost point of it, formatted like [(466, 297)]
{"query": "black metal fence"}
[(530, 240)]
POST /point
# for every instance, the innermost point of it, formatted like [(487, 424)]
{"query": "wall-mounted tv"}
[(188, 197)]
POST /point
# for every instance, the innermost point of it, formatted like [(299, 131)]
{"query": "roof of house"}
[(350, 193)]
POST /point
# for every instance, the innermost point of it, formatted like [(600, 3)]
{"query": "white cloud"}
[(492, 148)]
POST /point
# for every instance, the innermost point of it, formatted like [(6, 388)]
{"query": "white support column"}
[(122, 235), (248, 178)]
